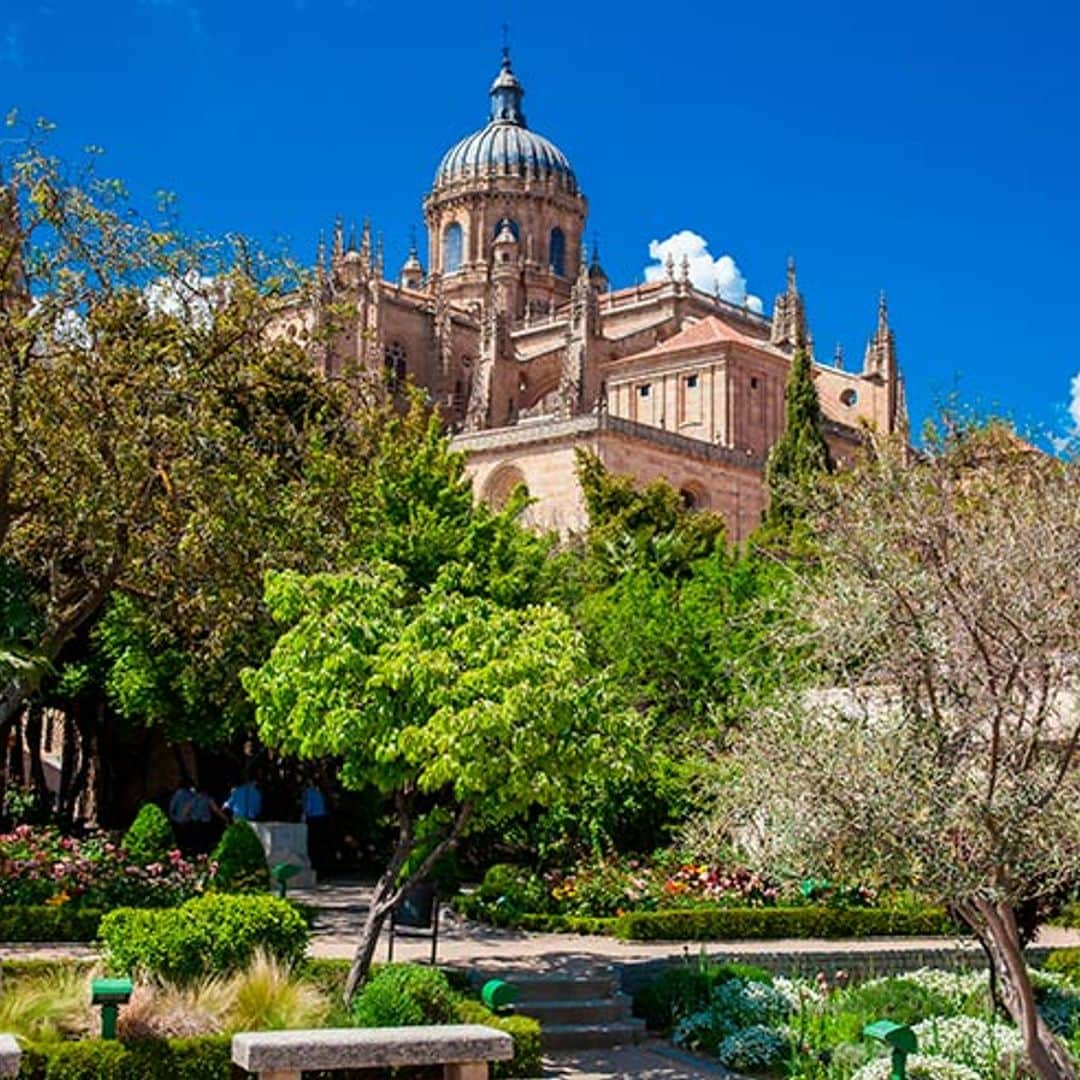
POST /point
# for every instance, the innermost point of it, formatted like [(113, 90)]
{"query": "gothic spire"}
[(789, 313), (880, 359), (339, 237)]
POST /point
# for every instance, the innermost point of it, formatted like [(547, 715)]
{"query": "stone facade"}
[(519, 340)]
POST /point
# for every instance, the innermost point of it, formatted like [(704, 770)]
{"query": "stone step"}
[(591, 1036), (586, 1011), (562, 988)]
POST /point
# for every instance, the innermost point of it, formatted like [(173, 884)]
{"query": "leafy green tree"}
[(447, 702), (151, 420), (801, 454), (633, 526), (931, 739)]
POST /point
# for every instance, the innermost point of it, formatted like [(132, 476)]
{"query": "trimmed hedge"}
[(736, 924), (241, 861), (474, 907), (207, 1057), (149, 837), (209, 935), (41, 922), (524, 1030), (1065, 962)]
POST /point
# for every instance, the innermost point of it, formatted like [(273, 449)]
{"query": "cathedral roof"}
[(708, 331), (506, 146)]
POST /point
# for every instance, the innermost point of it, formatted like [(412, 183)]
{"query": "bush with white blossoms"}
[(969, 1040), (737, 1005), (957, 987), (919, 1067), (754, 1047)]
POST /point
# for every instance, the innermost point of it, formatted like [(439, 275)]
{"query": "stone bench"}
[(9, 1056), (463, 1050)]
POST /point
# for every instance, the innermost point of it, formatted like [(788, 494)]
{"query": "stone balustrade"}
[(464, 1050)]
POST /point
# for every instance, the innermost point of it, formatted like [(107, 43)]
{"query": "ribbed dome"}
[(506, 147)]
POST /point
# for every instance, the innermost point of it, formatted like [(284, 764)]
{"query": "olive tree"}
[(934, 742), (462, 712)]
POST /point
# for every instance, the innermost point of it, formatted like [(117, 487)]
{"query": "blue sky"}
[(932, 150)]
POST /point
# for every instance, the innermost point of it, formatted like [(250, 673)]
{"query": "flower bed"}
[(39, 866), (812, 1029), (686, 902)]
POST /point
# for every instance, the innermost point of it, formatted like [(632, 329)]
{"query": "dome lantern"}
[(506, 94)]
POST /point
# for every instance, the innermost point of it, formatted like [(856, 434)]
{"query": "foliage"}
[(801, 455), (204, 1058), (150, 837), (19, 922), (241, 861), (47, 1006), (687, 988), (641, 527), (398, 995), (210, 935), (919, 1067), (446, 701), (737, 924), (947, 608), (40, 866), (159, 435), (1065, 962), (524, 1030)]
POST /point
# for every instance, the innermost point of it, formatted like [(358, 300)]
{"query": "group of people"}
[(193, 810)]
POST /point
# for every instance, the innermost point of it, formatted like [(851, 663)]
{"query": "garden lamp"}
[(110, 994), (498, 995), (902, 1040), (281, 873)]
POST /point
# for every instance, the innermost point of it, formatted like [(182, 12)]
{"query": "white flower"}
[(919, 1067)]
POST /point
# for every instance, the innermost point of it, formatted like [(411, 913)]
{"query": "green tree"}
[(449, 703), (151, 420), (632, 526), (801, 455), (932, 738)]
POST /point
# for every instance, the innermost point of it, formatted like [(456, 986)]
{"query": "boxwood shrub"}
[(472, 906), (524, 1030), (734, 924), (208, 935), (150, 837), (208, 1057), (1065, 962), (42, 922), (241, 861)]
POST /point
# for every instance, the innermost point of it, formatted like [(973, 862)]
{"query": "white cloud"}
[(720, 275), (1074, 403)]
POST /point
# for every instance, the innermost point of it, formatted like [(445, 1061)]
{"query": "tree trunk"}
[(381, 905), (65, 799), (34, 739), (390, 890), (995, 926)]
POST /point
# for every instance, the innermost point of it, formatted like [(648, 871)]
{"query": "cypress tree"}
[(801, 453)]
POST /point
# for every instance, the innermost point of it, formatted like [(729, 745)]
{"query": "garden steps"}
[(577, 1010)]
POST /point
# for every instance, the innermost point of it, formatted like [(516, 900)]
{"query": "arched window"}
[(394, 361), (557, 251), (452, 245)]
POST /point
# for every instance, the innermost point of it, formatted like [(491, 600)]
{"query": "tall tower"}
[(506, 177)]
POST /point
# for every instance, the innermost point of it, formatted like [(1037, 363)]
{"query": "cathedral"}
[(520, 340)]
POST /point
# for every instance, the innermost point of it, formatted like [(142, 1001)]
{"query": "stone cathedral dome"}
[(506, 146)]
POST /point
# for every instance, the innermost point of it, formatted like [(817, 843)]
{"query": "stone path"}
[(649, 1061)]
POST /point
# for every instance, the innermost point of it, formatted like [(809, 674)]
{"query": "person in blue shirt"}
[(245, 802), (315, 812)]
